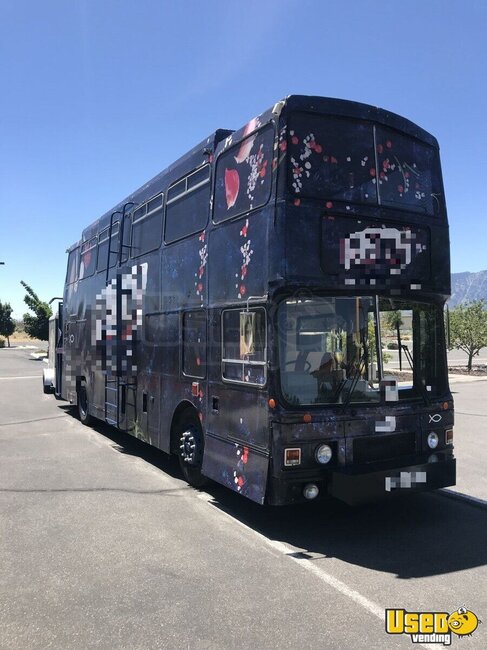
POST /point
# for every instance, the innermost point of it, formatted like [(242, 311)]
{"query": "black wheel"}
[(190, 447), (83, 413)]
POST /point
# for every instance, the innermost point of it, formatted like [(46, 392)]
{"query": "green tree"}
[(394, 322), (36, 326), (468, 328), (7, 324)]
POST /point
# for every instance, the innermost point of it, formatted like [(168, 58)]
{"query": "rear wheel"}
[(190, 447), (83, 409)]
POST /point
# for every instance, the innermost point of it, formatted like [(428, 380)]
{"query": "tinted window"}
[(102, 250), (194, 344), (126, 236), (146, 230), (72, 272), (115, 244), (155, 203), (187, 205), (243, 175), (176, 190), (88, 258), (406, 170), (331, 158)]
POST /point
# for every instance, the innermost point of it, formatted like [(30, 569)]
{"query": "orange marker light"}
[(307, 418), (444, 406), (292, 457), (272, 403)]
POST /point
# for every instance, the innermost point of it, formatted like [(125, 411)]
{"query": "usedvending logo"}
[(431, 627)]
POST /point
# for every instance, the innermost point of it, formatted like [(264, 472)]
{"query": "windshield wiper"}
[(357, 370)]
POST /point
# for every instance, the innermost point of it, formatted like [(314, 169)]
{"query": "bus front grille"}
[(369, 449)]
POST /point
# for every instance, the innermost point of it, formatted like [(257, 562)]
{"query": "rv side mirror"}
[(248, 324)]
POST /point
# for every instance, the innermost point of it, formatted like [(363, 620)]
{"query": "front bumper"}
[(355, 487)]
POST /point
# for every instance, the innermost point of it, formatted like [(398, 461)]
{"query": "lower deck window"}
[(244, 346)]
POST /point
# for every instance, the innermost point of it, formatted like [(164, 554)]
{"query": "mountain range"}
[(467, 286)]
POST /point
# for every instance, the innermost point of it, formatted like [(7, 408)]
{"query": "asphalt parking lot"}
[(103, 545)]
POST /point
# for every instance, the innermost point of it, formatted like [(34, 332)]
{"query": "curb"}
[(465, 379), (42, 356), (459, 496)]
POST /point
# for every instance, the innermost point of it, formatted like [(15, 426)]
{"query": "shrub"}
[(2, 342)]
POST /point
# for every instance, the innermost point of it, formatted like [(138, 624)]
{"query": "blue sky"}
[(99, 96)]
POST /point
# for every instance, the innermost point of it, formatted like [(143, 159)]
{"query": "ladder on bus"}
[(123, 237), (116, 389), (121, 402), (112, 390)]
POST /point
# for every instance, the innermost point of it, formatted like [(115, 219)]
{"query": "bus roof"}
[(199, 154), (360, 111)]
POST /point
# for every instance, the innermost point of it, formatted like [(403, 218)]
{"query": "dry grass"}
[(21, 338)]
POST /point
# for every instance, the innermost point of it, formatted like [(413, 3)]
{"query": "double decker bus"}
[(269, 309)]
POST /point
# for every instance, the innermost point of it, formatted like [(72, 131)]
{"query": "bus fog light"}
[(433, 459), (310, 491), (323, 454), (432, 440)]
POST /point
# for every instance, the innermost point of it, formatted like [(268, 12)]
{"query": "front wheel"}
[(83, 410), (190, 452)]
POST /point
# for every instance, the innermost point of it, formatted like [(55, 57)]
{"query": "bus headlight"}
[(323, 454), (432, 440)]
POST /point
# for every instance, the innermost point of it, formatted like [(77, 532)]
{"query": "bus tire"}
[(83, 406), (190, 447)]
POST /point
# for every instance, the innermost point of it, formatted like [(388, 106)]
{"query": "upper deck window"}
[(103, 238), (406, 172), (243, 176), (73, 263), (331, 158), (88, 258), (104, 245), (147, 227), (358, 162), (187, 205)]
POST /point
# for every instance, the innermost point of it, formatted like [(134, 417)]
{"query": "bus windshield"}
[(356, 161), (329, 350)]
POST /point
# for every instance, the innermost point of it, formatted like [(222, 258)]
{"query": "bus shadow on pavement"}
[(412, 536), (127, 444)]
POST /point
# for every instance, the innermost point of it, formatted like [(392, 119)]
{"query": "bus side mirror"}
[(248, 324)]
